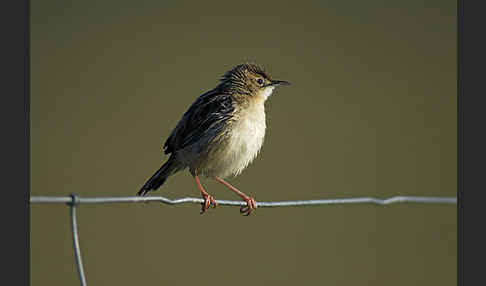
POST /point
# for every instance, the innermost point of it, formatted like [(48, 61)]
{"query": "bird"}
[(220, 134)]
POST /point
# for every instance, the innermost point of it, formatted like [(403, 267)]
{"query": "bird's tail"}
[(158, 179)]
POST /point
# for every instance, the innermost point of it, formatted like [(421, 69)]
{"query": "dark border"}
[(460, 26), (471, 142), (14, 123)]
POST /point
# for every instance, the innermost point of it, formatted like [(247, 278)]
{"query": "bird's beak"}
[(279, 82)]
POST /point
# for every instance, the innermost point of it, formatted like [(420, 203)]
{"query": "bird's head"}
[(249, 80)]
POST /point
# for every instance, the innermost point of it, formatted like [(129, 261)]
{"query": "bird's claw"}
[(208, 201), (250, 207)]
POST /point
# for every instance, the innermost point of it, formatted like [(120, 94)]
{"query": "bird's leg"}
[(208, 199), (251, 203)]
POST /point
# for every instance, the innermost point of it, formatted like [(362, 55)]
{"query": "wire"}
[(74, 200), (360, 200), (77, 248)]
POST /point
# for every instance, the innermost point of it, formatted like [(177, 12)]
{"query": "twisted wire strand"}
[(186, 200)]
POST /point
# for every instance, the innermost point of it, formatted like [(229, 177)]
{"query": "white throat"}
[(267, 92)]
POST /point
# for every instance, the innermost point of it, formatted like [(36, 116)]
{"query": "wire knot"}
[(74, 200)]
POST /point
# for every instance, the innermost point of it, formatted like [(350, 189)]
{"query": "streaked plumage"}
[(221, 132)]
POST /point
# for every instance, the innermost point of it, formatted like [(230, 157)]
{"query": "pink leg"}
[(208, 199), (251, 203)]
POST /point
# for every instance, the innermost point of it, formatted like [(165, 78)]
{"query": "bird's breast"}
[(243, 141)]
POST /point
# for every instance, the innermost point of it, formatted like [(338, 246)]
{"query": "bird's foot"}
[(250, 206), (208, 201)]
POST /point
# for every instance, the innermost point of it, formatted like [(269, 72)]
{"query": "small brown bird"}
[(220, 133)]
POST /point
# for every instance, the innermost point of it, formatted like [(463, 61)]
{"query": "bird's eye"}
[(260, 81)]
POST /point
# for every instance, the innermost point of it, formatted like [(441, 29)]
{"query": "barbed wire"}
[(73, 200)]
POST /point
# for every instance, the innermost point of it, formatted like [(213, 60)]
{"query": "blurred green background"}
[(371, 112)]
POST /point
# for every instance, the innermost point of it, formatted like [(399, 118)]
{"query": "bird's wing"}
[(202, 121)]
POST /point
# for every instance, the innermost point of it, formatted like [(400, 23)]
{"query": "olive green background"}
[(371, 112)]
